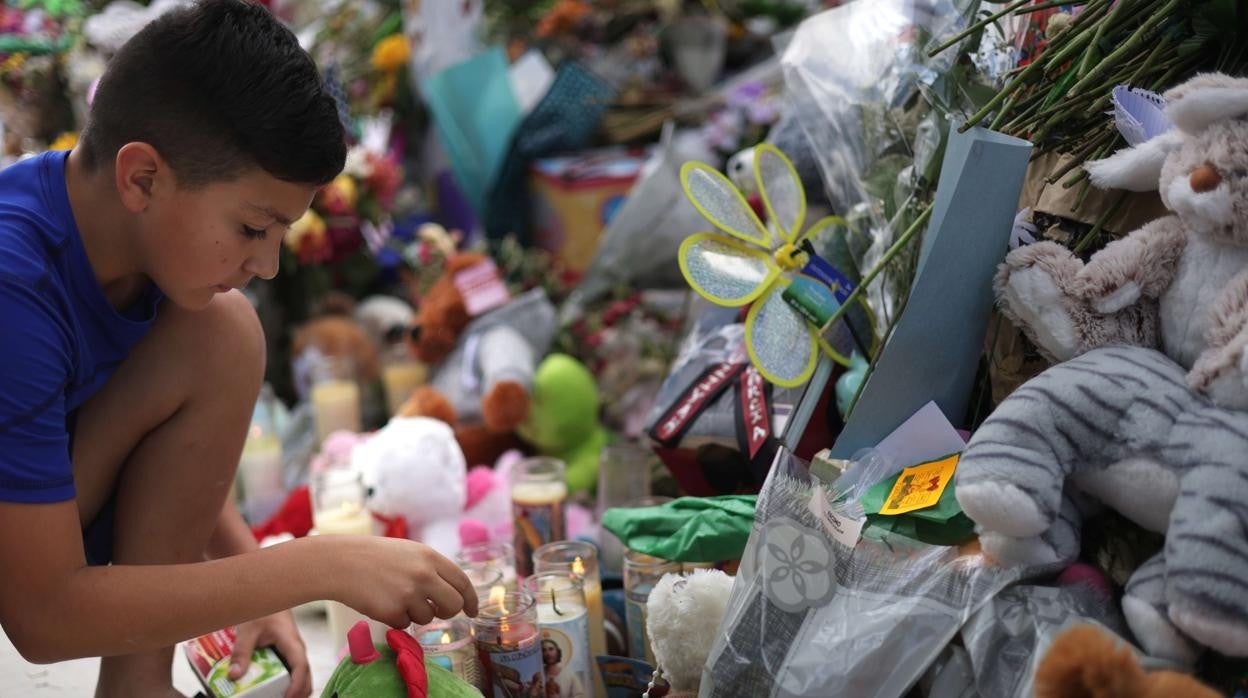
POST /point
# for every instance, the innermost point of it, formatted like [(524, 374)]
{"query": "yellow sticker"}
[(920, 487)]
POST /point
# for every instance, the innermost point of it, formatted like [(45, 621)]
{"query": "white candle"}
[(260, 473), (336, 404), (563, 619), (399, 380)]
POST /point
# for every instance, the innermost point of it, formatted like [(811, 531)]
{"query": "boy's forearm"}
[(125, 609)]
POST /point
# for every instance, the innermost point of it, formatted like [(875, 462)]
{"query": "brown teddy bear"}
[(482, 367), (1085, 662)]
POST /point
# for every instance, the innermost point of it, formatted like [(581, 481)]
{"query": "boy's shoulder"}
[(33, 206)]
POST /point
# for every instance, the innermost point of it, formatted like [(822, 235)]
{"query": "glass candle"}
[(580, 560), (538, 494), (400, 376), (338, 508), (485, 577), (451, 645), (563, 620), (508, 645), (641, 573), (335, 397), (612, 548), (498, 554), (260, 465)]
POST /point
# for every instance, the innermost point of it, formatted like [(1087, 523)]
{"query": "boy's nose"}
[(263, 265)]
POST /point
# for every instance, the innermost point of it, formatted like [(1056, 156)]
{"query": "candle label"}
[(565, 656), (512, 671), (635, 612), (535, 525)]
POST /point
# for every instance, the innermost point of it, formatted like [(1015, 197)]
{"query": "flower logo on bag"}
[(796, 566)]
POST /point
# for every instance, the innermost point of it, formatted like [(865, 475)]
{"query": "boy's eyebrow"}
[(272, 214)]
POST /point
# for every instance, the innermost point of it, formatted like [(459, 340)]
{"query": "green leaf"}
[(1061, 88)]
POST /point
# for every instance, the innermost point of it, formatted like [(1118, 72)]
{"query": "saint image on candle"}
[(560, 681)]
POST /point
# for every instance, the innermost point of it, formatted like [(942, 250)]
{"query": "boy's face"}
[(196, 243)]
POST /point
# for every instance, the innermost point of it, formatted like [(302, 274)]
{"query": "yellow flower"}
[(341, 195), (309, 226), (391, 53), (65, 141)]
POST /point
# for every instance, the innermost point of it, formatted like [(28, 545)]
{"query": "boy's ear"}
[(138, 169)]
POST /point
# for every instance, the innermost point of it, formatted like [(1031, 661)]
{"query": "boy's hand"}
[(400, 582), (280, 631)]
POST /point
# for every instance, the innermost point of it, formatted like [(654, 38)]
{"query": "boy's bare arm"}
[(54, 607)]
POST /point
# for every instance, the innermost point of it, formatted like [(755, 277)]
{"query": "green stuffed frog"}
[(563, 419), (397, 671)]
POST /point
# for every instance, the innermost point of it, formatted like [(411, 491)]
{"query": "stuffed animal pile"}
[(1144, 415)]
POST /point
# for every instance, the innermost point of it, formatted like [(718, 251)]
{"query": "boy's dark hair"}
[(217, 88)]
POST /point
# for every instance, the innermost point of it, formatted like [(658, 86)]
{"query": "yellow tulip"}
[(391, 53)]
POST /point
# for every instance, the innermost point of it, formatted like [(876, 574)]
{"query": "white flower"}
[(796, 565), (357, 164)]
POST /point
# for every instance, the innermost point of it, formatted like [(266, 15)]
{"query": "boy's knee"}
[(224, 341)]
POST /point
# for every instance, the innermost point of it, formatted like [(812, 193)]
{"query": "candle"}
[(260, 474), (508, 645), (563, 620), (500, 555), (580, 560), (450, 644), (338, 509), (641, 573), (336, 404), (538, 492), (399, 379), (485, 578)]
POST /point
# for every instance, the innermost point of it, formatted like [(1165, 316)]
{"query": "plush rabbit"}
[(1178, 284)]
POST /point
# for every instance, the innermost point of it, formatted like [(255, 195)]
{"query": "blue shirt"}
[(60, 339)]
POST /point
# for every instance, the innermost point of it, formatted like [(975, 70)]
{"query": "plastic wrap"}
[(878, 144), (812, 617)]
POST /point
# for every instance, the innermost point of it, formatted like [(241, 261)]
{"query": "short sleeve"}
[(34, 372)]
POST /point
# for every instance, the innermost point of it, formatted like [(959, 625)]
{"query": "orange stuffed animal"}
[(1085, 662), (481, 367)]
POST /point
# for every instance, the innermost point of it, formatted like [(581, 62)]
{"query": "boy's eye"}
[(254, 233)]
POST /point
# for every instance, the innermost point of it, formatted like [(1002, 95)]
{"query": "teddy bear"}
[(414, 470), (1086, 662), (482, 367), (1180, 283), (563, 420), (682, 613)]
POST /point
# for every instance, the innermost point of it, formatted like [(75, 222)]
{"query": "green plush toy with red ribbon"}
[(396, 671)]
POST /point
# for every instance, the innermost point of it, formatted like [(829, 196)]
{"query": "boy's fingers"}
[(293, 651), (457, 579), (244, 645)]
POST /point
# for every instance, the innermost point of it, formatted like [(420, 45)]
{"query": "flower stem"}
[(977, 26), (892, 252)]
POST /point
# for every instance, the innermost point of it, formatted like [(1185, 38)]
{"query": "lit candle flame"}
[(578, 567), (498, 595), (446, 638)]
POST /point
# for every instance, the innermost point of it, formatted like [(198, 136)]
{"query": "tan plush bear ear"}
[(1206, 99), (1135, 169)]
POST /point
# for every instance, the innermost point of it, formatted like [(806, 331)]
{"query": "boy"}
[(129, 363)]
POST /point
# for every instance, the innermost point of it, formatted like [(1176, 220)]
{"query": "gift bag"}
[(810, 616)]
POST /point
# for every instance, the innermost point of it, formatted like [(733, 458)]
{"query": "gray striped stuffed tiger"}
[(1120, 426)]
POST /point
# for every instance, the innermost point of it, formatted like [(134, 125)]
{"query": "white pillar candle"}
[(336, 404), (563, 620)]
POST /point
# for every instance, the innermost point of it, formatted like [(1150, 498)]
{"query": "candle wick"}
[(553, 604)]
